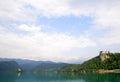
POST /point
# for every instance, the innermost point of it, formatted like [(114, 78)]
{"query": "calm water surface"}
[(54, 77)]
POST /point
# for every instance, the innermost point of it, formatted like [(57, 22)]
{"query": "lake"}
[(54, 77)]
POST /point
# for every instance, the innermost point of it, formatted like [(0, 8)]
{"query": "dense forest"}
[(49, 67), (113, 62), (8, 66)]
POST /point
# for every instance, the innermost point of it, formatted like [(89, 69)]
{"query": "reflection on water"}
[(19, 73), (8, 77), (54, 77)]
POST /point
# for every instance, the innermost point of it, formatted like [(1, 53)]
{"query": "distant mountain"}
[(19, 61), (31, 65), (25, 64), (49, 67), (8, 66), (36, 66)]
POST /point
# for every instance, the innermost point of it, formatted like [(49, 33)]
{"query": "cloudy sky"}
[(58, 30)]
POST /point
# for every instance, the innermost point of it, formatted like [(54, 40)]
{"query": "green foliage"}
[(113, 62), (69, 68)]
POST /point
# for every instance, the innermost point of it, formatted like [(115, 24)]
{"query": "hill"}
[(105, 60), (35, 66), (25, 64), (49, 67), (8, 66)]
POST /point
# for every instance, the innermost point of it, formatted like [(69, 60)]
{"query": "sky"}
[(70, 31)]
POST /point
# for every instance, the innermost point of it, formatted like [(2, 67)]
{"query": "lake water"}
[(54, 77)]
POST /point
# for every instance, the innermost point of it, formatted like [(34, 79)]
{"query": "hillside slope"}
[(96, 63), (8, 66), (49, 67)]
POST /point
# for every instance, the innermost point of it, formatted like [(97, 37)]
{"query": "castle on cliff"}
[(104, 55)]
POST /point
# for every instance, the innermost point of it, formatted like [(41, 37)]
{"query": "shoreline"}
[(100, 71), (108, 71)]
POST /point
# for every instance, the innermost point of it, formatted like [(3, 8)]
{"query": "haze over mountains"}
[(29, 65), (105, 60)]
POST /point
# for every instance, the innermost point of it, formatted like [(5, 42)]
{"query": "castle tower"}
[(104, 55)]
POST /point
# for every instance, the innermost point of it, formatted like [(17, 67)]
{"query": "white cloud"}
[(105, 14), (40, 45), (111, 37), (32, 28), (106, 17), (15, 10)]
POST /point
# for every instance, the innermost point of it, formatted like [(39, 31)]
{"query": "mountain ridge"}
[(31, 65)]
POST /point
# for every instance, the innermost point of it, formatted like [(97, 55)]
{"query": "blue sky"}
[(58, 30), (71, 24)]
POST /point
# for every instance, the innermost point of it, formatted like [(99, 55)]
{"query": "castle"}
[(104, 55)]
